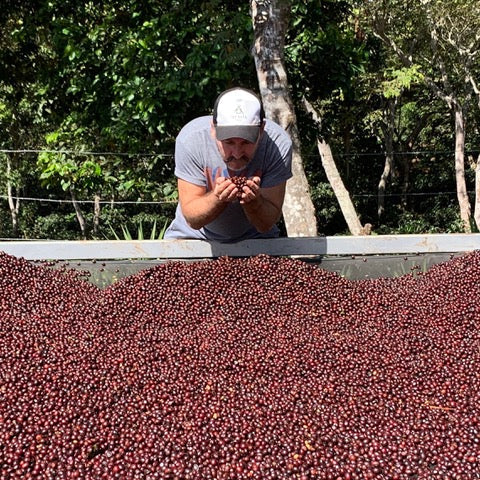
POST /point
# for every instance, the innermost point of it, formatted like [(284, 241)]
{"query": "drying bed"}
[(239, 368)]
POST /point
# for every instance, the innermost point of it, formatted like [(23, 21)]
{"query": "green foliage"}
[(24, 58), (69, 171), (5, 221), (129, 66), (54, 226), (445, 221), (329, 217), (322, 39), (155, 234), (401, 79)]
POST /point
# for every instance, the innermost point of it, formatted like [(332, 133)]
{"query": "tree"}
[(270, 21), (341, 193), (440, 37), (398, 120), (322, 39), (24, 54)]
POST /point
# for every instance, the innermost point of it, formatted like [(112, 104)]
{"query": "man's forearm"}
[(203, 210)]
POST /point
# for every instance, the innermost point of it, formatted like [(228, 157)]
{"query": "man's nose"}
[(237, 152)]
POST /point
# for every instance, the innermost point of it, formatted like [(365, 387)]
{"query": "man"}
[(212, 153)]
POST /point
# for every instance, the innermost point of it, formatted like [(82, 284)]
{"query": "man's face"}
[(236, 152)]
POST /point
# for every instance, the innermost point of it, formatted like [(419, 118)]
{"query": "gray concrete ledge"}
[(197, 249)]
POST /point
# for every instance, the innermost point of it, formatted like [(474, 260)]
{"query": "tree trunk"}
[(382, 184), (335, 180), (14, 204), (462, 195), (96, 213), (388, 129), (270, 20), (79, 213), (340, 191)]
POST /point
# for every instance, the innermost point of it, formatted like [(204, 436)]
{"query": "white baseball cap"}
[(238, 113)]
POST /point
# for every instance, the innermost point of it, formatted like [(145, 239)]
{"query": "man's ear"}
[(262, 128)]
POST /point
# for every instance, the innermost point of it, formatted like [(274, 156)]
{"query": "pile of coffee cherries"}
[(258, 368)]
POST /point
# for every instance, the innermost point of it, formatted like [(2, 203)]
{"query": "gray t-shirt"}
[(198, 161)]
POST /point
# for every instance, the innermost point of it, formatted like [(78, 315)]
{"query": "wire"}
[(411, 194), (102, 202), (338, 154), (415, 153), (76, 152)]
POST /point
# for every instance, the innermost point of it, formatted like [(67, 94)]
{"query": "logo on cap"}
[(239, 114)]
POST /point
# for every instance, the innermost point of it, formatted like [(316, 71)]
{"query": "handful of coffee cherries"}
[(239, 182)]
